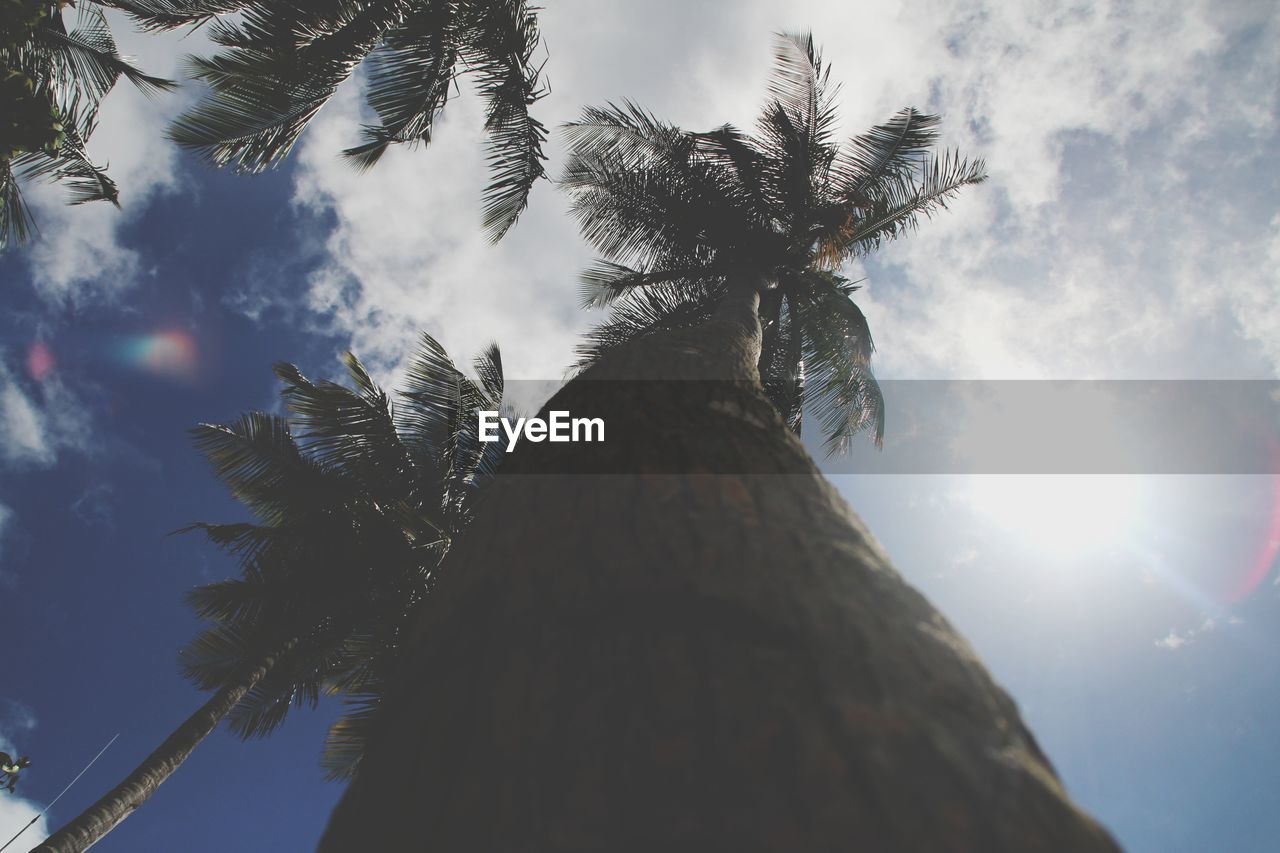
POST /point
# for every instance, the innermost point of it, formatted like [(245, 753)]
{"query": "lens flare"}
[(40, 361), (1269, 548), (171, 354)]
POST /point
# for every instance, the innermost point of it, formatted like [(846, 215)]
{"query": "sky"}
[(1128, 232)]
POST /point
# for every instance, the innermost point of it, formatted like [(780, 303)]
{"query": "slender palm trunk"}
[(121, 801), (697, 647)]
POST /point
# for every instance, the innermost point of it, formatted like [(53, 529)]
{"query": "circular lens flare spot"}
[(170, 354), (1269, 549), (40, 361)]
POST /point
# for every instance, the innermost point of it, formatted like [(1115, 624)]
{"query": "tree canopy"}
[(280, 62), (676, 214)]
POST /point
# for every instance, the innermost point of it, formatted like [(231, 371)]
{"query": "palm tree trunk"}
[(696, 646), (121, 801)]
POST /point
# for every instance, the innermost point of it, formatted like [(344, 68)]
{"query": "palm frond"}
[(650, 218), (627, 136), (651, 197), (258, 459), (216, 655), (362, 678), (645, 312), (70, 165), (159, 15), (738, 154), (885, 152), (605, 281), (793, 171), (351, 431), (782, 364), (429, 401), (900, 203), (408, 80), (276, 74), (235, 600), (92, 57), (840, 388), (295, 680), (280, 63), (801, 85), (501, 38), (488, 367), (345, 742), (16, 224)]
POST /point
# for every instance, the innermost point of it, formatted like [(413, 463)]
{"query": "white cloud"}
[(408, 255), (24, 436), (38, 421), (16, 720), (96, 506), (1175, 640), (16, 812), (1096, 248), (1126, 229), (79, 256), (1108, 241)]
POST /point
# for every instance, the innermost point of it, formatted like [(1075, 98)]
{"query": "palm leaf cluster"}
[(356, 499), (677, 215), (281, 62), (54, 80)]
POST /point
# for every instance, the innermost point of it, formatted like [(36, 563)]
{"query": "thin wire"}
[(64, 790)]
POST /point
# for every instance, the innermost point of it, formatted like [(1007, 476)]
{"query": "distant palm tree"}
[(685, 220), (52, 81), (356, 502), (282, 61)]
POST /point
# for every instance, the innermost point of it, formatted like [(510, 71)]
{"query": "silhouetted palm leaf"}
[(280, 62), (72, 71)]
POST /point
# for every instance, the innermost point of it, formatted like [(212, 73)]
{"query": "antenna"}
[(45, 811)]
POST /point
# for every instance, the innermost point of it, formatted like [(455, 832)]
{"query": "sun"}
[(1066, 516)]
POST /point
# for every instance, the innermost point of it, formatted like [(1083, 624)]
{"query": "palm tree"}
[(53, 81), (356, 502), (282, 61), (682, 638), (683, 218)]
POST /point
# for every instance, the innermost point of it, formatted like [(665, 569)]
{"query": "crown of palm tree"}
[(282, 61), (71, 71), (356, 501), (677, 214)]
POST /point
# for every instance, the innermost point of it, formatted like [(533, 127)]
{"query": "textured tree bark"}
[(699, 658), (121, 801)]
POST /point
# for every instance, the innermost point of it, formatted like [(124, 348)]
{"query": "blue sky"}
[(1129, 231)]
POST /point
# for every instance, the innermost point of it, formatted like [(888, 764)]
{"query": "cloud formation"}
[(1175, 640), (37, 420), (1122, 141), (1128, 228), (16, 719), (80, 256)]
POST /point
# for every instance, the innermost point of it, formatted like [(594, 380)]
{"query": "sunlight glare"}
[(1060, 515)]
